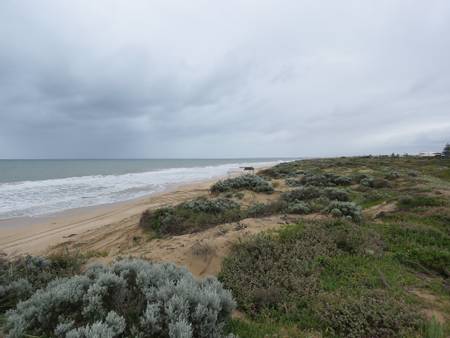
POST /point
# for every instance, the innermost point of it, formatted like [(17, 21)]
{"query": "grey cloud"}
[(273, 78)]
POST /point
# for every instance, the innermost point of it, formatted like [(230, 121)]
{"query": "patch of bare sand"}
[(202, 252), (379, 209), (435, 306)]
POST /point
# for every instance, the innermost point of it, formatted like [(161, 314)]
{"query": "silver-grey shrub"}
[(249, 182), (348, 210), (298, 207), (21, 276), (130, 298), (337, 194)]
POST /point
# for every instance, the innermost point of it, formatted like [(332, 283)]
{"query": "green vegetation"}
[(351, 279), (348, 210), (243, 182), (21, 277), (131, 298), (372, 261), (191, 216)]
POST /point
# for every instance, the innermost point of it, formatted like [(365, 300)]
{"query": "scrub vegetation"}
[(130, 298), (364, 252), (378, 266)]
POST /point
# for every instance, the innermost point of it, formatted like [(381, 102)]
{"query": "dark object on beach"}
[(250, 169)]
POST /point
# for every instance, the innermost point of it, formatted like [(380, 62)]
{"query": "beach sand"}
[(34, 235), (105, 232)]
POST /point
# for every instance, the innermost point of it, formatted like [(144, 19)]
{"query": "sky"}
[(216, 79)]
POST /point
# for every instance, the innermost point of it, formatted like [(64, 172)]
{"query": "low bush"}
[(374, 314), (327, 179), (411, 202), (392, 175), (262, 209), (314, 179), (376, 183), (282, 270), (358, 177), (298, 207), (283, 170), (20, 277), (210, 206), (379, 183), (337, 194), (292, 182), (301, 194), (132, 298), (268, 272), (348, 210), (355, 240), (191, 216), (319, 204), (249, 182)]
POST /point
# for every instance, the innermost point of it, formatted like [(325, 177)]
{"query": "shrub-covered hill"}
[(384, 274), (368, 268)]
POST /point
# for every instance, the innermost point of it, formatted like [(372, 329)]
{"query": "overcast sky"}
[(235, 78)]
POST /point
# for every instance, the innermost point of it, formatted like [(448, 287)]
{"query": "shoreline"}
[(36, 235)]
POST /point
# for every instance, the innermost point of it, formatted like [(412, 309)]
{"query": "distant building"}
[(429, 154)]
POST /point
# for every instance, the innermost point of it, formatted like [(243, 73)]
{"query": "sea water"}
[(39, 187)]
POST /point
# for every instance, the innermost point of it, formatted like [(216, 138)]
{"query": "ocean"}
[(40, 187)]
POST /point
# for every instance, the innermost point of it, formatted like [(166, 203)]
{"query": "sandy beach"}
[(34, 235), (107, 231)]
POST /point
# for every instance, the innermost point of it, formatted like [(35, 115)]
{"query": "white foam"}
[(32, 198)]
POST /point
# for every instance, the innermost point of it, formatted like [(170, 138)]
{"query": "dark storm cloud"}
[(241, 78)]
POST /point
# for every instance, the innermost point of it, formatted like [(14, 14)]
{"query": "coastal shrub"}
[(355, 240), (292, 182), (337, 194), (392, 175), (249, 182), (342, 180), (373, 314), (267, 271), (213, 206), (282, 270), (358, 177), (21, 276), (366, 182), (191, 216), (301, 194), (314, 179), (326, 179), (411, 202), (282, 170), (318, 204), (131, 298), (345, 209), (413, 173), (377, 183), (264, 209), (298, 207)]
